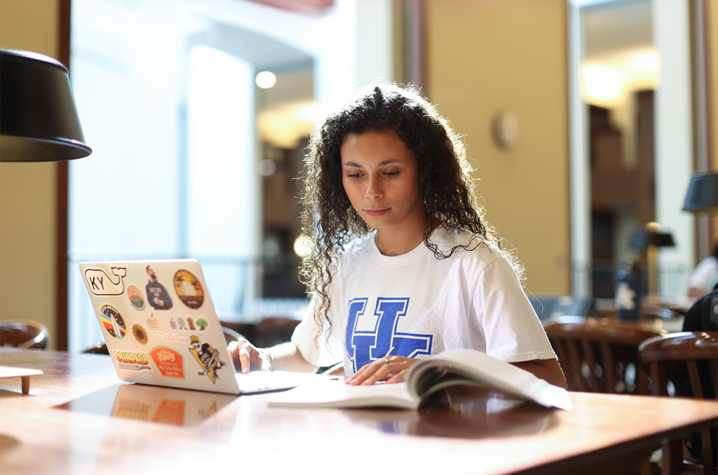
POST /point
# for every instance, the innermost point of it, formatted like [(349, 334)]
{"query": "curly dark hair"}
[(328, 219)]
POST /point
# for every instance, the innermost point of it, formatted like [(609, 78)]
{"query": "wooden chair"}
[(231, 335), (274, 330), (694, 353), (599, 354), (25, 334)]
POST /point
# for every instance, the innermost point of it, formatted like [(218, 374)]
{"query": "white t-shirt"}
[(415, 305), (705, 275)]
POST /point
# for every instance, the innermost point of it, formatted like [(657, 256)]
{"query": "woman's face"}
[(380, 175)]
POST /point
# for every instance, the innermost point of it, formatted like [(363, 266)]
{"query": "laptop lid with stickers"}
[(159, 324)]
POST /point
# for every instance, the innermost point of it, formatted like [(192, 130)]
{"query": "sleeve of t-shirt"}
[(512, 329), (705, 274)]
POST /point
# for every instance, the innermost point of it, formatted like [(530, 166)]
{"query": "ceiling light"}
[(601, 85), (265, 79)]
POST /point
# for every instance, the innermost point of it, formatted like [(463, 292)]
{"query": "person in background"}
[(702, 317), (705, 276)]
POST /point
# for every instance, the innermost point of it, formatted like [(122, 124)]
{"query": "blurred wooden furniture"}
[(665, 355), (25, 334), (10, 372), (599, 355), (665, 309), (231, 335), (273, 331), (147, 430), (648, 311)]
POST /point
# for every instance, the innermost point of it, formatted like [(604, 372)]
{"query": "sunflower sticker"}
[(113, 322), (136, 298), (189, 289), (140, 334)]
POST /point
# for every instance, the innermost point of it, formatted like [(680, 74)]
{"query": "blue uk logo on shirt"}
[(363, 347)]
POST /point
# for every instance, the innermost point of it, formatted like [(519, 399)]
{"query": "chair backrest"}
[(274, 330), (24, 334), (231, 335), (599, 354), (669, 358), (690, 348)]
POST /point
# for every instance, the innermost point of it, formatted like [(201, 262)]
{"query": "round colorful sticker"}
[(189, 289), (136, 298), (140, 334), (113, 321)]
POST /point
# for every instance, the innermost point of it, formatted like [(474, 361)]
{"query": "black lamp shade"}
[(38, 118), (643, 239), (702, 192)]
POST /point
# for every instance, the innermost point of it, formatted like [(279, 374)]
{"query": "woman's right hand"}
[(246, 356)]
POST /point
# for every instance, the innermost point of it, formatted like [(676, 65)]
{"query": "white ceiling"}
[(616, 27)]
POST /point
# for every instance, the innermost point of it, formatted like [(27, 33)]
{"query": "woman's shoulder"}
[(465, 245)]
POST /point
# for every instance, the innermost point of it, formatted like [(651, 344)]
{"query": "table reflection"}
[(177, 407), (463, 412)]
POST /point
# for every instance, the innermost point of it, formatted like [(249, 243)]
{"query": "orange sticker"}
[(168, 361), (189, 289)]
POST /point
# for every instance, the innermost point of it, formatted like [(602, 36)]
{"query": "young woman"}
[(403, 266)]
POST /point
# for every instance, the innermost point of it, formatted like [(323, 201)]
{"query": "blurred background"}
[(584, 121)]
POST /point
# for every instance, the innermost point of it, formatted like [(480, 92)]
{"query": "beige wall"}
[(712, 32), (27, 191), (486, 55)]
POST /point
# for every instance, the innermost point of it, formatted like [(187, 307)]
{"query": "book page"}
[(487, 371)]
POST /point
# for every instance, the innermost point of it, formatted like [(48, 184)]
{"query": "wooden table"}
[(157, 430)]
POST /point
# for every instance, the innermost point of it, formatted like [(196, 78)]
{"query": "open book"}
[(452, 368)]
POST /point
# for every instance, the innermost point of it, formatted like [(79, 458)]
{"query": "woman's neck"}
[(395, 242)]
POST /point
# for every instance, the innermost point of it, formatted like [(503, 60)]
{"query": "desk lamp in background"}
[(38, 118), (702, 196), (650, 240), (38, 123)]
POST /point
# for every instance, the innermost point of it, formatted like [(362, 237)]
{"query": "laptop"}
[(161, 328)]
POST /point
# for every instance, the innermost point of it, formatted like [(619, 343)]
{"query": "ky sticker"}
[(100, 283), (384, 340)]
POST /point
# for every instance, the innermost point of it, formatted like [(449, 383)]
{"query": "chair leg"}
[(645, 467), (708, 462), (672, 457)]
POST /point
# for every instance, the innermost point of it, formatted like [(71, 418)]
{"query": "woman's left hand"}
[(391, 369)]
